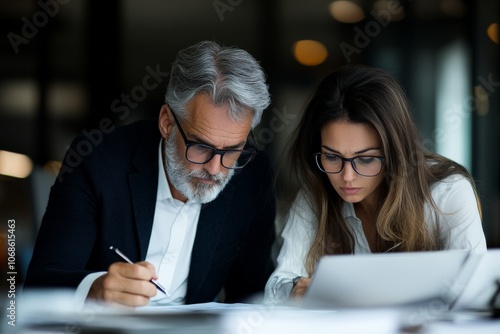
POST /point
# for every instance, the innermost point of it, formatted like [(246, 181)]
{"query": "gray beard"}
[(181, 177)]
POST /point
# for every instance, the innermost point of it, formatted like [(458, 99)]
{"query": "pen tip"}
[(111, 247)]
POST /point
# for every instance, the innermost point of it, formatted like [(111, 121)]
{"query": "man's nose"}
[(214, 166)]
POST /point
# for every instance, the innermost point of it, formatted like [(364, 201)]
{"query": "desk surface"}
[(244, 319)]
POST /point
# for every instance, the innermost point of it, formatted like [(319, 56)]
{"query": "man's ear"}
[(165, 121)]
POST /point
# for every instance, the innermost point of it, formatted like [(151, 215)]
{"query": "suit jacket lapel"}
[(213, 217), (143, 188)]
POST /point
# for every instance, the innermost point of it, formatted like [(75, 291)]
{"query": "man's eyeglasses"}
[(363, 165), (199, 153)]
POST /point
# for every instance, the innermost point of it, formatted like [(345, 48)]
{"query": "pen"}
[(158, 285)]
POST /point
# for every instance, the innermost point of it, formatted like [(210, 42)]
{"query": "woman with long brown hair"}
[(363, 183)]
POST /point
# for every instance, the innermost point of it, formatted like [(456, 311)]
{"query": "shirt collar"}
[(348, 209), (163, 187)]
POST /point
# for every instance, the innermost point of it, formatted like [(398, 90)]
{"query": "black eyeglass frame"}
[(351, 160), (214, 150)]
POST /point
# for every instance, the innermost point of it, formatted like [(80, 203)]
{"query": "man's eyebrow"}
[(357, 152), (230, 147)]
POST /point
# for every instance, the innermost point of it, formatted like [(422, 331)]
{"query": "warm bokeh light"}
[(15, 164), (346, 11), (66, 99), (493, 32), (309, 52), (19, 97), (482, 100), (391, 10)]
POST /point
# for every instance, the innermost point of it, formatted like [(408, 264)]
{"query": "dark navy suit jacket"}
[(105, 195)]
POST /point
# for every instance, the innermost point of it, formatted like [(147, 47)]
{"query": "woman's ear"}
[(165, 121)]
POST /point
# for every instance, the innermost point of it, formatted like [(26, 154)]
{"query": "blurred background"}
[(80, 66)]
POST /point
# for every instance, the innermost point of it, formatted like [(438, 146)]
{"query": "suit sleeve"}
[(68, 230)]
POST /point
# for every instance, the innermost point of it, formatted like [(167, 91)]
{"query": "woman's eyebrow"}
[(368, 149), (357, 152)]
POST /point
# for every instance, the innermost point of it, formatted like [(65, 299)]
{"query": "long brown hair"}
[(362, 94)]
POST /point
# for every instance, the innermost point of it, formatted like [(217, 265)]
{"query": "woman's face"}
[(349, 140)]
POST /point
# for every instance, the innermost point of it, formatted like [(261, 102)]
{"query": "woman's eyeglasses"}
[(363, 165)]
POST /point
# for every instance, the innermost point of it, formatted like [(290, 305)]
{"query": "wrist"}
[(296, 280)]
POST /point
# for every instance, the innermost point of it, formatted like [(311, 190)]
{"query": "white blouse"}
[(460, 227)]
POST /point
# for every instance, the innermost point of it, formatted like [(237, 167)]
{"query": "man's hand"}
[(125, 284), (300, 288)]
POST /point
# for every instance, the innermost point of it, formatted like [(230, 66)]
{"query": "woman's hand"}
[(300, 288)]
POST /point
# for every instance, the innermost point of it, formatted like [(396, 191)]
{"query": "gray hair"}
[(230, 76)]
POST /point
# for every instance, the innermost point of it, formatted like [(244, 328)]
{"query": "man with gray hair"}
[(189, 200)]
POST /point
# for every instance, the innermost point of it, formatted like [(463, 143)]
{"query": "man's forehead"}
[(213, 124)]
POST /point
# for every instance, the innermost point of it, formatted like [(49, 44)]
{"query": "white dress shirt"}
[(459, 223), (170, 244)]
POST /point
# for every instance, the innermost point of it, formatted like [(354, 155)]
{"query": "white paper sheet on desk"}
[(300, 321), (200, 307), (54, 312), (206, 318), (471, 327), (265, 319), (39, 305), (383, 280)]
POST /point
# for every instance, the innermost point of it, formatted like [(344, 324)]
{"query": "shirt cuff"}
[(278, 291), (83, 288)]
